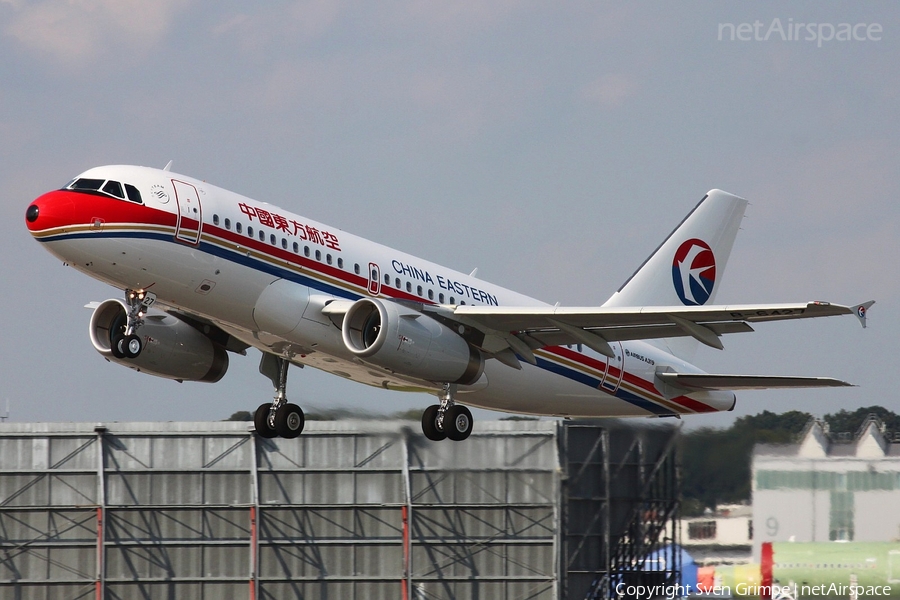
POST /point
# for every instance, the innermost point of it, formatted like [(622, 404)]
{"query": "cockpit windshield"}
[(106, 187)]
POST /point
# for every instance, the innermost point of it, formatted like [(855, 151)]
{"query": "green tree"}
[(845, 421), (715, 463), (241, 415)]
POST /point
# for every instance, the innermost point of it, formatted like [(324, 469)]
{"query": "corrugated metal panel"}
[(178, 525), (72, 453), (364, 523), (158, 590), (20, 527), (178, 500)]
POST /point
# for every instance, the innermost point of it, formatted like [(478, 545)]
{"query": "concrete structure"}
[(827, 488), (351, 509)]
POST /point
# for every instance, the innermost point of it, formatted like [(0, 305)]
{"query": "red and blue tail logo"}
[(694, 272)]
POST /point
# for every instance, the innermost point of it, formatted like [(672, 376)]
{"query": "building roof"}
[(816, 441)]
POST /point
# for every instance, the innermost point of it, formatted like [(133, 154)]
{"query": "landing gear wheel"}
[(289, 421), (458, 422), (261, 421), (132, 346), (117, 346), (429, 424)]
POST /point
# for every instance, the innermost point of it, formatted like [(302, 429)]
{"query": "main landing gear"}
[(447, 419), (278, 418), (125, 342)]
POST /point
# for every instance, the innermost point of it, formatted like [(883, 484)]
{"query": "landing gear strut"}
[(280, 417), (447, 419), (127, 343)]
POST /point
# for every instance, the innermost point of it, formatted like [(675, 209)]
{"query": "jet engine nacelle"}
[(172, 348), (407, 342)]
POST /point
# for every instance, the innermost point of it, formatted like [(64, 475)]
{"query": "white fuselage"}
[(263, 275)]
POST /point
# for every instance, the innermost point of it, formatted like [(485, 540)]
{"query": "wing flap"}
[(551, 337), (708, 381)]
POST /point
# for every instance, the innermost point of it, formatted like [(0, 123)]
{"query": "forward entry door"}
[(190, 215)]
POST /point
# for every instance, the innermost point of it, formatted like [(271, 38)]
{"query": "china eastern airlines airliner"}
[(206, 272)]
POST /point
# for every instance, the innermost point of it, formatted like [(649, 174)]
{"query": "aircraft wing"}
[(510, 331)]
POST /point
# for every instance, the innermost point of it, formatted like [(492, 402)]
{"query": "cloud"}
[(75, 32)]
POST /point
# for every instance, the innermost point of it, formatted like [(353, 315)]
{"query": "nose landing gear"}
[(280, 417), (447, 419)]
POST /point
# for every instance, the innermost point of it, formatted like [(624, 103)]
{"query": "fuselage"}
[(263, 275)]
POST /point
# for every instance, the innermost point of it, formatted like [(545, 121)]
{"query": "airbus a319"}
[(206, 272)]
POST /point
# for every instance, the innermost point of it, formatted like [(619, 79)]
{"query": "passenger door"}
[(190, 214), (615, 370)]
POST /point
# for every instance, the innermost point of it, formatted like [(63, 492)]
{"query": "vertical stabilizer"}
[(686, 269)]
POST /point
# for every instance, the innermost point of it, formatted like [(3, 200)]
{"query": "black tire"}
[(429, 424), (133, 345), (117, 345), (458, 422), (261, 421), (289, 421)]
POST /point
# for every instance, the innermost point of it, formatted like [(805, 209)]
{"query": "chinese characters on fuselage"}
[(291, 227)]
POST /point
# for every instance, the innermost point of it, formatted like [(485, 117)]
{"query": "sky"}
[(551, 145)]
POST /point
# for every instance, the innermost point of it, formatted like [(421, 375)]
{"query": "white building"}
[(721, 537), (826, 488)]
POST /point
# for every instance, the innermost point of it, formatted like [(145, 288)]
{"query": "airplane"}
[(207, 272)]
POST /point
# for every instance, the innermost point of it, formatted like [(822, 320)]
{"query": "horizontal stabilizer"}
[(707, 381)]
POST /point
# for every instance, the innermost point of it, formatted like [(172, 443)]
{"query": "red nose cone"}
[(53, 209)]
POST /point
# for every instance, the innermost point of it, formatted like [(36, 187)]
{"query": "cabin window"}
[(340, 263), (284, 243), (238, 227), (272, 239), (318, 255), (441, 297), (452, 300), (250, 231), (306, 251), (431, 294), (419, 290), (356, 268), (387, 279), (262, 235), (228, 224), (296, 248), (408, 287), (328, 258), (215, 219), (397, 283), (114, 188)]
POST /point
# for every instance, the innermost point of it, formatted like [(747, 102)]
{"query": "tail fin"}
[(686, 269)]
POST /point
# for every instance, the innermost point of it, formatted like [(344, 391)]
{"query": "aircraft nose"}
[(52, 209)]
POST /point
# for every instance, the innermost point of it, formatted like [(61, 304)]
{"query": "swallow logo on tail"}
[(694, 272)]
